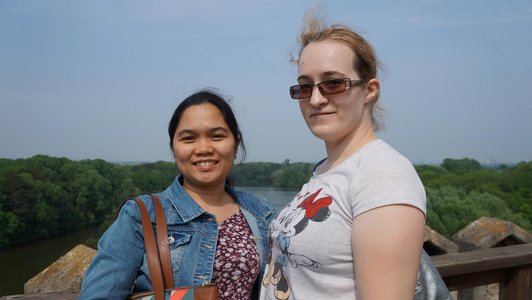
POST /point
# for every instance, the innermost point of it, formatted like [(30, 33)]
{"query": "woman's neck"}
[(338, 151), (213, 195), (214, 200)]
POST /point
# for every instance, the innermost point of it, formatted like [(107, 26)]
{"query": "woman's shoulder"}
[(253, 202), (380, 155), (131, 206), (378, 160), (385, 177)]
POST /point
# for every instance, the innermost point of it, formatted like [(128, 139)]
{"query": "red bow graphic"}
[(311, 208)]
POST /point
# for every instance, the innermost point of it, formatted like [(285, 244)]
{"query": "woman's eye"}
[(187, 139), (306, 86), (333, 83), (218, 137)]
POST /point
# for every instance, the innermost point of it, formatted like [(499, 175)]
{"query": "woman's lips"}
[(205, 163), (319, 114)]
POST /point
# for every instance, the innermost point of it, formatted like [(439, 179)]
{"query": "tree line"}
[(45, 196)]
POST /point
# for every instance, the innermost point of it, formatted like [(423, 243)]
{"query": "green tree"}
[(254, 174), (43, 196), (153, 177), (461, 165), (9, 225), (292, 176), (451, 209)]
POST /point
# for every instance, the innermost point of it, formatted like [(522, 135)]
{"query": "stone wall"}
[(62, 279), (64, 275)]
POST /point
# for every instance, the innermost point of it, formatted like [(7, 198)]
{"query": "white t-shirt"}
[(311, 255)]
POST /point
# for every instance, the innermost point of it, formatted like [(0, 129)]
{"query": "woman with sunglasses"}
[(355, 230)]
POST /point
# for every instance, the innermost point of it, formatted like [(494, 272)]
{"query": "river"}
[(21, 263)]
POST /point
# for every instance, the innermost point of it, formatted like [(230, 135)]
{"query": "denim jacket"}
[(121, 264)]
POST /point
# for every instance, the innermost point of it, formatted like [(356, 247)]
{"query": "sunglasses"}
[(327, 87)]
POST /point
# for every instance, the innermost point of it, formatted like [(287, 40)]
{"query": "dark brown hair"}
[(208, 96)]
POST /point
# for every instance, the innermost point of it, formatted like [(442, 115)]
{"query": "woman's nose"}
[(317, 98), (204, 146)]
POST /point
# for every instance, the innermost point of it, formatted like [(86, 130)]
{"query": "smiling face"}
[(340, 117), (203, 146)]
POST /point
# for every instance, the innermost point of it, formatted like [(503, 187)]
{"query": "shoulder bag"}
[(158, 255), (430, 285)]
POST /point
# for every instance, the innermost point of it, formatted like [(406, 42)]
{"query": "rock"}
[(485, 233), (436, 244), (64, 275), (44, 296)]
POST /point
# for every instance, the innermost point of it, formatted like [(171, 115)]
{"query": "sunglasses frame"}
[(348, 83)]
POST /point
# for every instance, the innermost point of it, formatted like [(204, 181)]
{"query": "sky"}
[(100, 79)]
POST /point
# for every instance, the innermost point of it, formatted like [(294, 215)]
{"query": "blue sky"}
[(100, 79)]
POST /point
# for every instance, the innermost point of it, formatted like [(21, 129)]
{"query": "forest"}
[(45, 196)]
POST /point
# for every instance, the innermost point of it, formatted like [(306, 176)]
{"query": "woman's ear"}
[(373, 88), (172, 151)]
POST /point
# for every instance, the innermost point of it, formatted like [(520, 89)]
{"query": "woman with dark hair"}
[(216, 234)]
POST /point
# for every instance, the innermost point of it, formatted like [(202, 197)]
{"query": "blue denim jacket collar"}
[(258, 207), (184, 205), (188, 209)]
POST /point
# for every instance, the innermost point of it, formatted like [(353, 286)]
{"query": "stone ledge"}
[(41, 296), (436, 244), (485, 233), (64, 275)]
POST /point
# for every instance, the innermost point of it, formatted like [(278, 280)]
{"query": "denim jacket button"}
[(170, 240)]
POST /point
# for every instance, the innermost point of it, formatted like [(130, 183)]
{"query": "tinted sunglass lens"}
[(305, 92), (295, 92), (333, 87), (300, 92)]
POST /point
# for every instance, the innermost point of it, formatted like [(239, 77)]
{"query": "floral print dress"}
[(236, 265)]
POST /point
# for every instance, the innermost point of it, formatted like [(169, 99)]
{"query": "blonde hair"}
[(365, 62)]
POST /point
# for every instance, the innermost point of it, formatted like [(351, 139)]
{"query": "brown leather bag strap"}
[(151, 252), (162, 236)]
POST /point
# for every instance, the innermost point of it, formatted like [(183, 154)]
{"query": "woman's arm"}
[(387, 243), (113, 270)]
